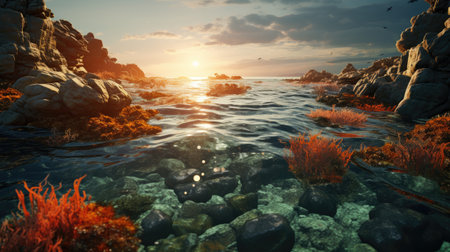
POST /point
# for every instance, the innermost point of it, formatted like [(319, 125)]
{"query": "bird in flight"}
[(385, 27), (412, 1), (389, 9), (259, 58)]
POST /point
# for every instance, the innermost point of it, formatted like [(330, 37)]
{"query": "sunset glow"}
[(195, 63)]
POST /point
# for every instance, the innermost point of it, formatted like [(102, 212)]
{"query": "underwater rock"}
[(169, 165), (351, 216), (184, 243), (318, 232), (222, 233), (196, 225), (269, 232), (222, 185), (239, 221), (362, 247), (197, 192), (397, 229), (156, 225), (220, 213), (181, 177), (286, 191), (317, 201), (282, 209), (132, 205), (244, 203)]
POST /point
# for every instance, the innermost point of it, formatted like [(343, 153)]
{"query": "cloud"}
[(153, 35), (207, 28), (239, 32), (330, 26)]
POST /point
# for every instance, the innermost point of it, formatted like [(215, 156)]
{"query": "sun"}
[(195, 63)]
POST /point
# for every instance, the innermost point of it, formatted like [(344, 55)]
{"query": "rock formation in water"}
[(418, 82), (313, 76), (49, 62)]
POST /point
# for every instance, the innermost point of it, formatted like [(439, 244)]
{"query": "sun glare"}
[(195, 63)]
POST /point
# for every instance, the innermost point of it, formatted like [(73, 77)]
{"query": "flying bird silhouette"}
[(412, 1), (389, 9), (259, 58), (385, 27)]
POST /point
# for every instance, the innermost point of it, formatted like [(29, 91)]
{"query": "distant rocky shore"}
[(53, 65), (417, 82)]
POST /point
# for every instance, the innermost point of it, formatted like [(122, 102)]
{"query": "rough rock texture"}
[(26, 39), (51, 94), (313, 76), (71, 44), (97, 60)]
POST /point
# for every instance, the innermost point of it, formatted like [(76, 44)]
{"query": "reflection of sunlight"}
[(204, 125), (201, 98), (195, 84)]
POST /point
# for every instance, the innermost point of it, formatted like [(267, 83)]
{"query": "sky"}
[(173, 38)]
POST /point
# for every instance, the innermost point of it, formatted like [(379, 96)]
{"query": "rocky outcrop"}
[(71, 44), (50, 94), (26, 39), (97, 60), (428, 65), (312, 76)]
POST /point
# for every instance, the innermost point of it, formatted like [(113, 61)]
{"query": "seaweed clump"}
[(227, 89), (423, 151), (339, 117), (317, 160), (65, 224), (7, 97), (131, 122)]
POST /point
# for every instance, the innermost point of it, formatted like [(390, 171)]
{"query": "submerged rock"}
[(269, 232), (196, 225), (155, 225), (244, 203), (197, 192), (317, 201)]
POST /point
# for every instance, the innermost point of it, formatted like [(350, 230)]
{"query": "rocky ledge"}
[(52, 64), (417, 82)]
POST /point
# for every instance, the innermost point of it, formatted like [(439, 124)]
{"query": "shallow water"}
[(201, 131)]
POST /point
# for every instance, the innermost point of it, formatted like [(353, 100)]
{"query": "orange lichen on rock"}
[(375, 107), (65, 224), (152, 95), (317, 159), (436, 130), (340, 117), (227, 89), (7, 97)]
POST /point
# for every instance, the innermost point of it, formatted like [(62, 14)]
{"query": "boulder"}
[(7, 65), (420, 25), (348, 69), (155, 225), (317, 201), (269, 232), (427, 94), (369, 85), (313, 76), (392, 93), (418, 58)]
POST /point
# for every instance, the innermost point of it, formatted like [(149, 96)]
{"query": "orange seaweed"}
[(65, 224), (317, 159), (7, 97), (227, 89), (375, 107), (340, 117)]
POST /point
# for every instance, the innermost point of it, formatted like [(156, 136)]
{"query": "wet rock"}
[(239, 221), (369, 85), (220, 213), (318, 232), (317, 201), (286, 191), (184, 243), (196, 192), (284, 210), (7, 64), (223, 234), (392, 93), (393, 229), (210, 246), (425, 95), (244, 203), (362, 247), (223, 185), (268, 232), (170, 165), (350, 216), (155, 225), (349, 78), (132, 205), (196, 225), (181, 177), (347, 89)]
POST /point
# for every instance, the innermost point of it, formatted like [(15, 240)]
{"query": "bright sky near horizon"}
[(174, 38)]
